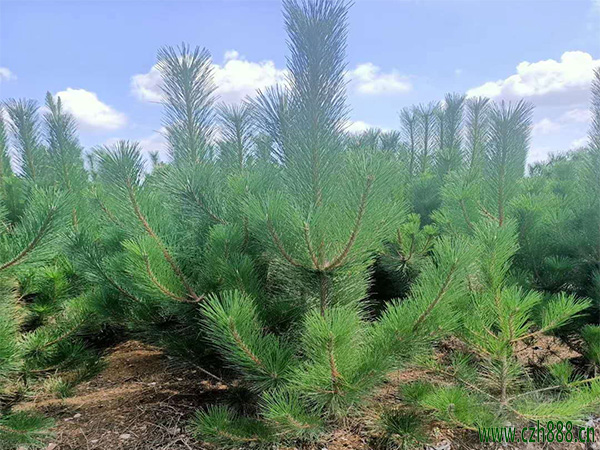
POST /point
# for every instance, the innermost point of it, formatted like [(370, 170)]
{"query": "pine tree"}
[(558, 222), (271, 113), (591, 184), (64, 150), (450, 155), (322, 236), (499, 315), (426, 122), (188, 94), (25, 126), (301, 223), (491, 384), (40, 338), (24, 246), (408, 123), (237, 128), (477, 112), (466, 197), (506, 155)]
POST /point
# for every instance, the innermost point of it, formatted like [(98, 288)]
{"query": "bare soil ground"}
[(138, 402), (143, 401)]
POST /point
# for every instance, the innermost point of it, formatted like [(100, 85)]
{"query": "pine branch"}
[(157, 283), (441, 293), (425, 116), (239, 341), (463, 209), (477, 131), (337, 262), (232, 323), (159, 243), (311, 250), (64, 149), (97, 263), (279, 245), (556, 387), (270, 109), (205, 208), (335, 375), (42, 231), (64, 336)]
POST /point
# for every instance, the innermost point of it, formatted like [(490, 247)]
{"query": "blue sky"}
[(98, 56)]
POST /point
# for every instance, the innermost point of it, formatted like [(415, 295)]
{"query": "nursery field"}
[(283, 283)]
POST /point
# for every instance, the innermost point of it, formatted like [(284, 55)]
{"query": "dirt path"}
[(140, 401)]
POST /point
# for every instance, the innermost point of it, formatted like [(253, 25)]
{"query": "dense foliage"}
[(310, 262)]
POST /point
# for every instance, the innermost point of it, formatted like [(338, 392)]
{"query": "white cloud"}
[(577, 117), (146, 86), (6, 74), (235, 79), (546, 126), (90, 112), (357, 126), (547, 82), (578, 143), (369, 79), (538, 153), (238, 78), (156, 142)]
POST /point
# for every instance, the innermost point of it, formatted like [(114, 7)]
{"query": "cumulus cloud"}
[(546, 82), (238, 78), (578, 143), (89, 111), (235, 79), (577, 117), (6, 74), (146, 86), (357, 126), (545, 126), (369, 79)]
